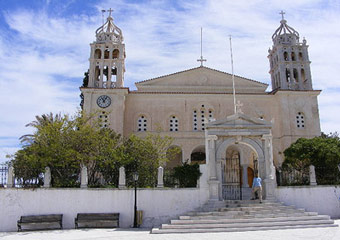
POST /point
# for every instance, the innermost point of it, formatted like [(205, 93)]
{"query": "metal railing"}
[(292, 177)]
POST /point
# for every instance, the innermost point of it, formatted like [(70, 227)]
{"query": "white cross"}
[(238, 107), (282, 13)]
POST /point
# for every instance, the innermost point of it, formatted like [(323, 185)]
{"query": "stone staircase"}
[(244, 215)]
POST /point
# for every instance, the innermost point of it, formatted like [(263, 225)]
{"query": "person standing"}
[(257, 187)]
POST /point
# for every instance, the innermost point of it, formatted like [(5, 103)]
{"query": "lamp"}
[(135, 176)]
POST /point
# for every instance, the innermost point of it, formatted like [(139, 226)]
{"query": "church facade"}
[(196, 108)]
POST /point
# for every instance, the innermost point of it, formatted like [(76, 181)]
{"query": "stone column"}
[(269, 178), (245, 175), (109, 76), (122, 178), (211, 162), (47, 177), (312, 176), (10, 177), (83, 177), (101, 70), (160, 182)]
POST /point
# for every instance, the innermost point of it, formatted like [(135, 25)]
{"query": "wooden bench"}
[(97, 220), (41, 222)]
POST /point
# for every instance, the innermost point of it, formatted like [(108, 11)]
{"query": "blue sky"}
[(44, 48)]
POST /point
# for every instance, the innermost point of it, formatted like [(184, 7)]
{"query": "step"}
[(218, 221), (247, 201), (246, 224), (243, 215), (198, 230), (249, 211), (256, 207)]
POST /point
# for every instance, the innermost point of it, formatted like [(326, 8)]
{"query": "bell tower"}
[(289, 61), (107, 59)]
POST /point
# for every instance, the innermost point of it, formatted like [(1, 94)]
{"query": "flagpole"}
[(232, 73)]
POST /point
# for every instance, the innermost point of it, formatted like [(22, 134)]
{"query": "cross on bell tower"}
[(282, 14), (110, 11)]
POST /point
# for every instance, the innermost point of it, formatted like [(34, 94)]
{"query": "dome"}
[(109, 32), (285, 29)]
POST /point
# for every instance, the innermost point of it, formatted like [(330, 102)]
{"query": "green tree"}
[(187, 175), (323, 152), (65, 144)]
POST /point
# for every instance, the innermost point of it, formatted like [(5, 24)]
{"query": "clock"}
[(104, 101)]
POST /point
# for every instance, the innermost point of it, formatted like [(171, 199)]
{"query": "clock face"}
[(104, 101)]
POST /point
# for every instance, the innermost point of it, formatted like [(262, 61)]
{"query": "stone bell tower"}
[(107, 57), (289, 61)]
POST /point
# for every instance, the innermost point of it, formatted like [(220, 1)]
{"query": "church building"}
[(196, 108)]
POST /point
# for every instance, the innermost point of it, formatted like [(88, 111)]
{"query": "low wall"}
[(321, 199), (159, 205)]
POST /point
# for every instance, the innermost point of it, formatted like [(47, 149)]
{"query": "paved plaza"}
[(144, 234)]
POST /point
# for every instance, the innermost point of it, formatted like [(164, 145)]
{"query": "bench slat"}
[(97, 220), (40, 221), (41, 218)]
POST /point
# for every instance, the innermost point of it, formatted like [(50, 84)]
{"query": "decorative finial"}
[(282, 14), (103, 11), (201, 59)]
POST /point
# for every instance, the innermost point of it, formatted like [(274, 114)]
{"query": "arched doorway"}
[(174, 155), (198, 155), (238, 165)]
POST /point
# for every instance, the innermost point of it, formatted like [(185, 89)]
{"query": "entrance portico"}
[(248, 139)]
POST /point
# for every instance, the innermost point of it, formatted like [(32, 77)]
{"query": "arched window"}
[(103, 119), (115, 54), (198, 155), (105, 77), (296, 75), (142, 124), (293, 56), (288, 77), (285, 56), (97, 76), (303, 75), (98, 54), (201, 118), (300, 120), (300, 56), (195, 120), (106, 53), (173, 124)]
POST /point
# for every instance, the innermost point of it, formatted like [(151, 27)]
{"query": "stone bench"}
[(40, 222), (97, 220)]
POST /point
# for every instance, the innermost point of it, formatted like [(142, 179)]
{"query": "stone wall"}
[(321, 199), (159, 205)]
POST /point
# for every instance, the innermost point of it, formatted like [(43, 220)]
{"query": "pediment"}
[(201, 79), (240, 121)]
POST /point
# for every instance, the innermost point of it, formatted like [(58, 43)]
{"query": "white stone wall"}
[(321, 199), (159, 205)]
